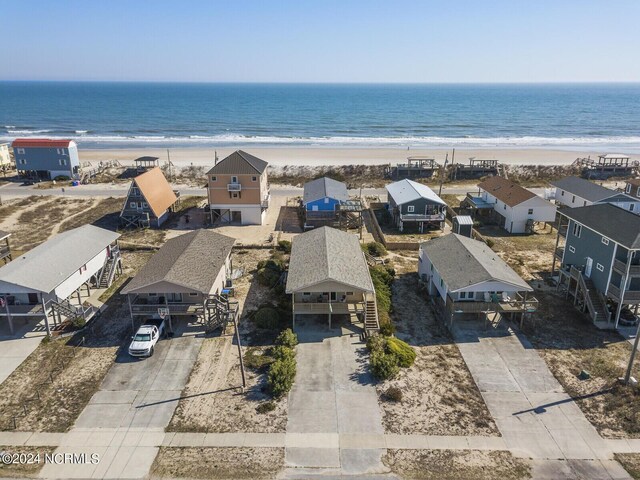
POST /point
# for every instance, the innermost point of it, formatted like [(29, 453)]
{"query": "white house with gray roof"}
[(412, 203), (328, 275), (47, 281), (577, 192), (466, 276)]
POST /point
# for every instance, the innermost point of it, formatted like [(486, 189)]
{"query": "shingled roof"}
[(239, 163), (462, 262), (156, 190), (584, 188), (618, 224), (407, 190), (507, 191), (327, 255), (325, 187), (192, 261)]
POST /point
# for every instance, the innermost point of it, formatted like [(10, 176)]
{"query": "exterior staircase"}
[(108, 271), (597, 308), (371, 323)]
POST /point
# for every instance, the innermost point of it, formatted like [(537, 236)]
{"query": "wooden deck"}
[(326, 308)]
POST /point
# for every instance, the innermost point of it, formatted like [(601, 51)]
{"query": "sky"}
[(350, 41)]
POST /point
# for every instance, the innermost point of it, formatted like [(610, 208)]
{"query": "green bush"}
[(284, 246), (287, 338), (383, 365), (387, 328), (281, 376), (256, 359), (375, 248), (393, 394), (376, 342), (78, 322), (269, 271), (405, 354), (281, 352), (490, 243), (266, 407), (267, 318), (62, 178)]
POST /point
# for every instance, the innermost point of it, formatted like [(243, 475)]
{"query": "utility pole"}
[(632, 358), (442, 173)]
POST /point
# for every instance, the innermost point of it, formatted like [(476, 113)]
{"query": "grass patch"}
[(630, 462)]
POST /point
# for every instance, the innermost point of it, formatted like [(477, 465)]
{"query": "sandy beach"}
[(314, 156)]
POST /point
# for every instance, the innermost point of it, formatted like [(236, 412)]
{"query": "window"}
[(584, 204), (306, 294), (577, 230), (431, 267), (441, 283), (193, 294), (326, 199), (214, 179), (132, 205), (599, 267), (562, 193), (234, 179), (145, 204), (20, 151), (465, 296), (631, 207), (234, 195), (152, 294), (83, 268), (410, 208), (349, 294), (605, 240), (504, 207), (530, 212), (572, 249), (254, 179), (628, 189), (573, 199)]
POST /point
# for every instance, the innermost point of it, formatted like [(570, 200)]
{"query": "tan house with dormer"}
[(238, 189)]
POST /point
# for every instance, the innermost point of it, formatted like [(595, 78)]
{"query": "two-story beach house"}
[(238, 189), (412, 203), (465, 276), (632, 187), (5, 157), (515, 208), (188, 277), (328, 275), (149, 201), (51, 280), (598, 248), (578, 192), (45, 159), (321, 200)]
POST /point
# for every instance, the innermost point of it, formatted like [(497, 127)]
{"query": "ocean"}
[(132, 115)]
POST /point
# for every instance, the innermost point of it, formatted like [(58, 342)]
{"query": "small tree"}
[(403, 352), (281, 376), (287, 338), (384, 365)]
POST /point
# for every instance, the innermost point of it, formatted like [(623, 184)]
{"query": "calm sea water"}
[(106, 115)]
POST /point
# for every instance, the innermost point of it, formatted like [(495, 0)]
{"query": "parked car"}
[(144, 341)]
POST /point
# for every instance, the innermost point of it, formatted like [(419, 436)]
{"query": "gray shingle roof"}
[(49, 264), (584, 188), (239, 163), (327, 254), (407, 190), (618, 224), (192, 260), (462, 262), (325, 187)]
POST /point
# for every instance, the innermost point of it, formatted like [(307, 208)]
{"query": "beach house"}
[(465, 276), (238, 190), (513, 207), (328, 275), (321, 200), (149, 201), (632, 187), (46, 159), (411, 203), (187, 277), (598, 248), (578, 192), (5, 157), (51, 280)]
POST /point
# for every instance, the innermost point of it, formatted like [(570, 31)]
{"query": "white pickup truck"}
[(145, 339)]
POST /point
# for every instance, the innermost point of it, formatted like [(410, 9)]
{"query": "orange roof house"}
[(149, 201)]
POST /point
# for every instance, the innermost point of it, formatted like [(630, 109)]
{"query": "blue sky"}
[(321, 41)]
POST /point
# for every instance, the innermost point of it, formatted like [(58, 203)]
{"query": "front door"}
[(587, 267)]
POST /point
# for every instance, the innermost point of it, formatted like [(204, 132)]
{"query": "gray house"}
[(149, 201), (578, 192), (598, 248), (411, 203), (45, 159)]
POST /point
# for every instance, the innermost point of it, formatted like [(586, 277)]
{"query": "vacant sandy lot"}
[(218, 462), (439, 396)]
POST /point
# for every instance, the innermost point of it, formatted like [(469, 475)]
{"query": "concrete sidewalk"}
[(536, 418)]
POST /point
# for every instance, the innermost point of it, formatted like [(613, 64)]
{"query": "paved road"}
[(536, 418), (125, 419), (333, 397)]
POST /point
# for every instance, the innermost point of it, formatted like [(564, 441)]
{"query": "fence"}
[(378, 234)]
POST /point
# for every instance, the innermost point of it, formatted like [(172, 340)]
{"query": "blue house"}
[(46, 159), (321, 200)]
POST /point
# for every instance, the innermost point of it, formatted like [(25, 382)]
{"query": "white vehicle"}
[(145, 339)]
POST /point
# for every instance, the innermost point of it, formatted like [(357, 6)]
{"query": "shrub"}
[(62, 178), (393, 394), (266, 407), (387, 328), (404, 353), (267, 318), (269, 271), (281, 352), (256, 359), (383, 365), (375, 248), (376, 343), (287, 338), (281, 376), (284, 246), (490, 243), (78, 322)]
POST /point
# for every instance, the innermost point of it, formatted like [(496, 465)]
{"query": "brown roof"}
[(634, 181), (192, 261), (239, 163), (505, 190), (156, 190)]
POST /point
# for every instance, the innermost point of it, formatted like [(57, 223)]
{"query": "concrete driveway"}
[(16, 347), (126, 417), (333, 398)]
